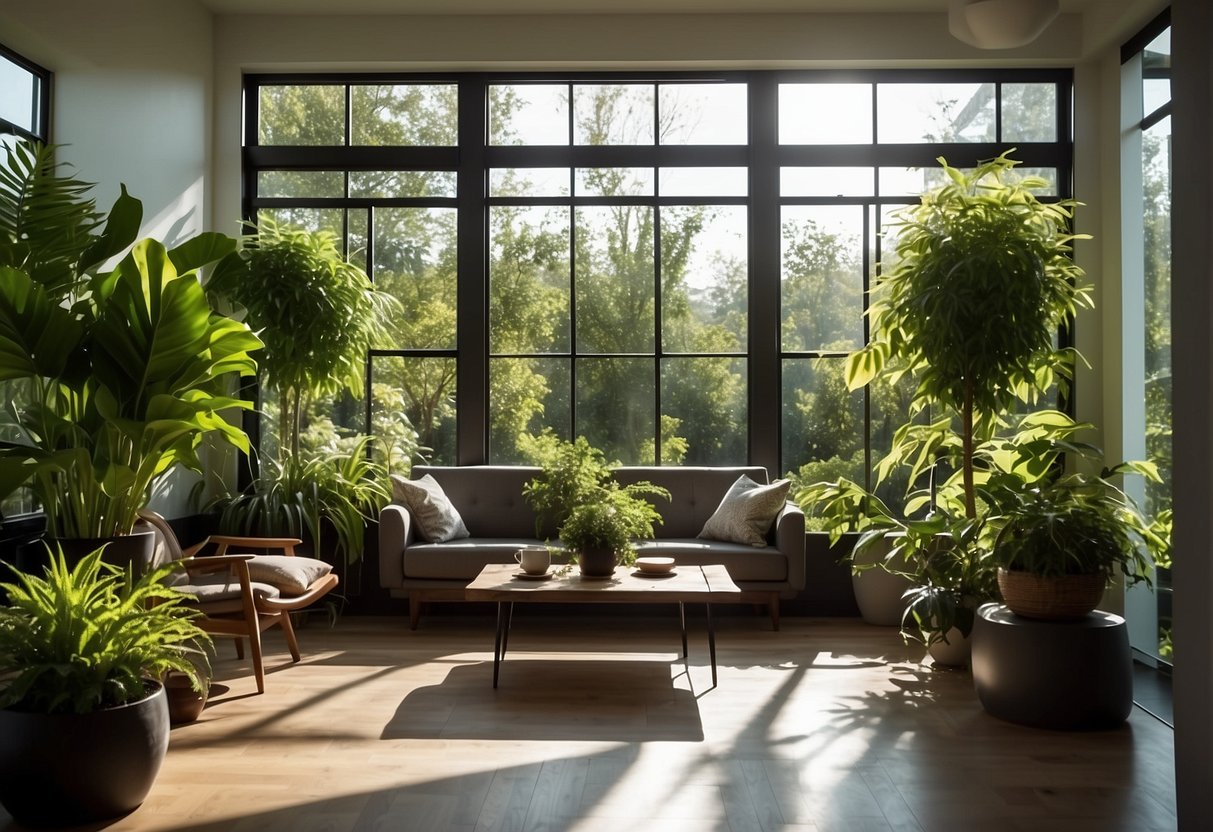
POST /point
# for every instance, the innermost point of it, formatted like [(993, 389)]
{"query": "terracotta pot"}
[(1056, 598), (184, 703), (66, 769), (597, 562)]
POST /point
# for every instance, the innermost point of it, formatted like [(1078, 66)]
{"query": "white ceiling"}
[(444, 7)]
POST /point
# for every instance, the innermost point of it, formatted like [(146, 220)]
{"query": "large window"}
[(24, 113), (672, 265)]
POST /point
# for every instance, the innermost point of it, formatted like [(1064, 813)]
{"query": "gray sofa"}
[(489, 498)]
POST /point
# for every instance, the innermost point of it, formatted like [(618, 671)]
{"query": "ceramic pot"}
[(954, 653), (136, 547), (877, 590), (184, 703), (68, 769), (597, 562)]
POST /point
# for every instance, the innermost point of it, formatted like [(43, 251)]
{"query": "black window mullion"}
[(472, 318), (765, 423)]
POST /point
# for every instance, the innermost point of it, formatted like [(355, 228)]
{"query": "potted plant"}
[(123, 372), (594, 516), (1060, 543), (83, 717), (318, 314)]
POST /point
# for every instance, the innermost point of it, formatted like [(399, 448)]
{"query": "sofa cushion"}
[(437, 519), (744, 562), (746, 512), (460, 559), (291, 574), (695, 492)]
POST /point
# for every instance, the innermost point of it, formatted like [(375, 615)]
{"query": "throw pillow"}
[(746, 512), (437, 520), (291, 575)]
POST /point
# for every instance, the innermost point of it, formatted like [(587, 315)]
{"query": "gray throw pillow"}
[(437, 520), (746, 512), (291, 575)]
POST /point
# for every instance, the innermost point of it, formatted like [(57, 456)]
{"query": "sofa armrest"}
[(395, 534), (790, 540)]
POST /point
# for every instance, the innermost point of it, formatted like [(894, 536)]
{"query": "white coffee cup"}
[(534, 561)]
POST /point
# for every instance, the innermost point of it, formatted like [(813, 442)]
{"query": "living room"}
[(163, 98)]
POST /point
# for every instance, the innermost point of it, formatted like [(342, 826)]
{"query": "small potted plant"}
[(1060, 543), (593, 515), (83, 715)]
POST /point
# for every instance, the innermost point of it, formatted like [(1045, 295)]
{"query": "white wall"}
[(131, 103), (131, 98)]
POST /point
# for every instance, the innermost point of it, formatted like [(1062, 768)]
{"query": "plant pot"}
[(955, 652), (66, 769), (184, 703), (877, 590), (121, 550), (597, 562), (1053, 598)]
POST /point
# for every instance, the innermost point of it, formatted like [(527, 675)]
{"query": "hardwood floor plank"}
[(826, 725)]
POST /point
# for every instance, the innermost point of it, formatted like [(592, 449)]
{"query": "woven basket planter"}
[(1058, 598)]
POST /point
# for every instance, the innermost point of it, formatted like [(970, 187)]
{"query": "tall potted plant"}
[(83, 717), (121, 372), (318, 315)]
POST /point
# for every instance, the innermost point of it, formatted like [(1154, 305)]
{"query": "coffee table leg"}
[(509, 622), (497, 652), (682, 618), (711, 641)]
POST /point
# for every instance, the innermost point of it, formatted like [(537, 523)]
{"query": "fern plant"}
[(88, 637)]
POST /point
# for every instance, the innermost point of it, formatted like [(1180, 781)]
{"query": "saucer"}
[(527, 576), (655, 566), (640, 573)]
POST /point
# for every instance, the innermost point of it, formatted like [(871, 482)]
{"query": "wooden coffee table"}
[(694, 584)]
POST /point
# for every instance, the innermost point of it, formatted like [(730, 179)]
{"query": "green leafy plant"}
[(126, 371), (88, 637), (577, 494)]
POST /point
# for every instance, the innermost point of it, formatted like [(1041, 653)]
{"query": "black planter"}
[(597, 562), (66, 769), (136, 548)]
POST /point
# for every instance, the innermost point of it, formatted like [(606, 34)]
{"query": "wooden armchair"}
[(240, 595)]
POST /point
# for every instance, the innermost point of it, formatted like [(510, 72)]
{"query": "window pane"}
[(301, 114), (703, 411), (704, 181), (822, 279), (404, 114), (615, 407), (529, 182), (616, 114), (525, 114), (702, 114), (300, 183), (528, 279), (1156, 179), (915, 113), (1156, 73), (914, 182), (614, 182), (357, 222), (826, 182), (890, 410), (413, 408), (526, 395), (1029, 112), (313, 219), (394, 184), (704, 273), (825, 113), (19, 95), (614, 274), (822, 421), (414, 259)]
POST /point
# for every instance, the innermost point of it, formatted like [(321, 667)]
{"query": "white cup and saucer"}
[(535, 563)]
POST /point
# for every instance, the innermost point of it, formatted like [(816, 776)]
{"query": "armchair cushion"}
[(746, 512), (291, 575), (437, 519), (223, 587)]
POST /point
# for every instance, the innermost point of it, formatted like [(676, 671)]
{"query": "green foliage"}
[(1078, 525), (127, 370), (304, 496), (577, 495), (87, 637), (954, 574), (981, 250)]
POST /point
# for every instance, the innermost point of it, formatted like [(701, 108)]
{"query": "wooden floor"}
[(598, 725)]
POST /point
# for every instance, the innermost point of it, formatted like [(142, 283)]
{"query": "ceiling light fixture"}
[(1000, 24)]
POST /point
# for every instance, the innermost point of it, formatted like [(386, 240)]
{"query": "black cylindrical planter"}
[(136, 547), (66, 769), (597, 562)]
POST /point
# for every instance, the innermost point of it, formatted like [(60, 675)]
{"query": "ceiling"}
[(445, 7)]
